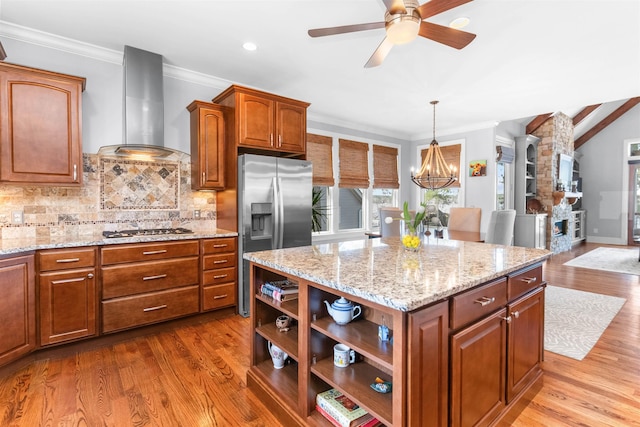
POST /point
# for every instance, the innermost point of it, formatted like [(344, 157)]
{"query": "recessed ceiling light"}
[(459, 23), (249, 46)]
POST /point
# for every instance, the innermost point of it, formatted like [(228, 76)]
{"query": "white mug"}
[(277, 355), (343, 355)]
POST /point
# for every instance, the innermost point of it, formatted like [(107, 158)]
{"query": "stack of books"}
[(342, 411), (280, 290)]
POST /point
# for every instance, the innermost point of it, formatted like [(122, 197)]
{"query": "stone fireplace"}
[(556, 137)]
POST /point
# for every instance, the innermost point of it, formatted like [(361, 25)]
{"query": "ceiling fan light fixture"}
[(403, 28), (459, 23)]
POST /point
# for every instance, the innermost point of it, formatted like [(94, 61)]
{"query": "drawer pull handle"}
[(220, 276), (220, 296), (90, 276), (484, 301), (507, 319), (157, 307), (529, 280), (515, 314), (221, 261), (68, 260), (162, 251), (220, 246), (159, 276)]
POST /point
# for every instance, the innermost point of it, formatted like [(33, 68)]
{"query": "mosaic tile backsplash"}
[(115, 194), (130, 185)]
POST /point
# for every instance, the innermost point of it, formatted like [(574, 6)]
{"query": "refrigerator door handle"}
[(280, 213), (275, 238)]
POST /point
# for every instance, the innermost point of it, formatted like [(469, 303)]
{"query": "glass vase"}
[(411, 239)]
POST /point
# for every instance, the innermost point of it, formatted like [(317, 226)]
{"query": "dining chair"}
[(501, 226), (464, 219), (392, 229)]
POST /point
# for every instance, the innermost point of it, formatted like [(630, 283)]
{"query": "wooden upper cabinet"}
[(265, 121), (256, 122), (41, 122), (207, 145)]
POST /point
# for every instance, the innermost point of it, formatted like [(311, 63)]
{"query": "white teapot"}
[(343, 311)]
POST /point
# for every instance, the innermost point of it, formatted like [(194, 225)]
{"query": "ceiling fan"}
[(404, 21)]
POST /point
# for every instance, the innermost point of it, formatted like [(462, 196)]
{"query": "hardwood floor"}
[(193, 373)]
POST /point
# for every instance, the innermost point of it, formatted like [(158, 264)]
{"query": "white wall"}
[(604, 176)]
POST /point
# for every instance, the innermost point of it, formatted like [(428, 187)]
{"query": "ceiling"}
[(529, 57)]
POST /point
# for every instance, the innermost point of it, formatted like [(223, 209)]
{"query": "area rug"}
[(610, 259), (575, 320)]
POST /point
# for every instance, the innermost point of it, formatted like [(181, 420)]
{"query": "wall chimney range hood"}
[(143, 109)]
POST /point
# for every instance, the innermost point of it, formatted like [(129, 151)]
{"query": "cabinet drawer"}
[(148, 251), (137, 278), (476, 303), (210, 262), (216, 246), (63, 259), (223, 275), (141, 310), (521, 282), (219, 296)]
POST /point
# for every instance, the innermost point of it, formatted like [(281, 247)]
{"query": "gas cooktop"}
[(145, 232)]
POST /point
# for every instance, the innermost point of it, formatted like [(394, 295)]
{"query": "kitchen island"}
[(466, 321)]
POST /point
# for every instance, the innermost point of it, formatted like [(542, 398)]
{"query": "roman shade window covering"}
[(354, 164), (385, 167), (505, 154), (319, 153), (451, 155)]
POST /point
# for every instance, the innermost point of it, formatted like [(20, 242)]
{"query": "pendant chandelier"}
[(434, 172)]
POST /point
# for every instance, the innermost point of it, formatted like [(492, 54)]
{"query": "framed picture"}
[(478, 168)]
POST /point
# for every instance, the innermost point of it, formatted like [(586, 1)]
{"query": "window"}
[(353, 200), (501, 190)]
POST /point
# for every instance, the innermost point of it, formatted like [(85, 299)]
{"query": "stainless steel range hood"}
[(143, 108)]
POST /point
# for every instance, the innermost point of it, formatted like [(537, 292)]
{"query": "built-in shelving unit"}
[(309, 368), (530, 226)]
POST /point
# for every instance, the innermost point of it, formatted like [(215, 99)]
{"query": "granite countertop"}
[(17, 246), (381, 270)]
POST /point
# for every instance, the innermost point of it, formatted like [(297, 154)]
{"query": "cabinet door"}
[(526, 342), (428, 366), (207, 149), (17, 308), (40, 116), (478, 363), (291, 126), (67, 305), (255, 121)]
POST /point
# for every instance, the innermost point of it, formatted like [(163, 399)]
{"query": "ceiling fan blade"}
[(330, 31), (381, 52), (445, 35), (395, 6), (435, 7)]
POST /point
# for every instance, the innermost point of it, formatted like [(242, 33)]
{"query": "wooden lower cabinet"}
[(478, 369), (219, 276), (494, 361), (148, 283), (525, 342), (17, 307), (428, 366), (68, 299)]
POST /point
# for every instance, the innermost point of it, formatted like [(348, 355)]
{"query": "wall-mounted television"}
[(565, 171)]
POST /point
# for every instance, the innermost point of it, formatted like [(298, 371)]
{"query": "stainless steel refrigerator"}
[(274, 210)]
